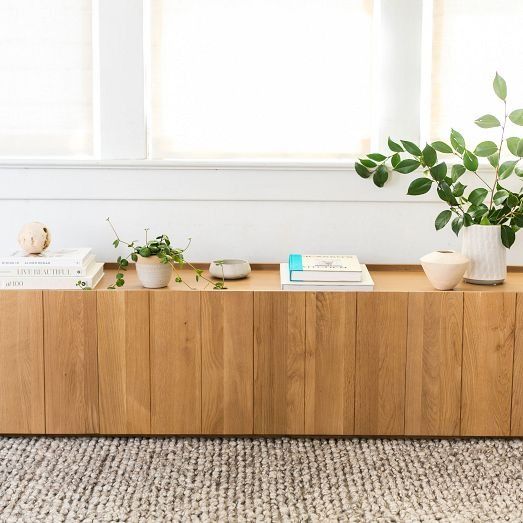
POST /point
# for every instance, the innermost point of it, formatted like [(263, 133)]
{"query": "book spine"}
[(67, 282), (43, 262), (6, 271), (295, 262)]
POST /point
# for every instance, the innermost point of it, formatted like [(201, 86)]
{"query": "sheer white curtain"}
[(472, 39), (45, 78), (261, 78)]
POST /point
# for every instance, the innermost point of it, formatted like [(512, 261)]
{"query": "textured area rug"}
[(192, 479)]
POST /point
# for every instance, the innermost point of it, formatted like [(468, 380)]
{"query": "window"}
[(45, 71), (261, 78), (472, 39)]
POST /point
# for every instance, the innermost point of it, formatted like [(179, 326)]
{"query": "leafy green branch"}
[(466, 204)]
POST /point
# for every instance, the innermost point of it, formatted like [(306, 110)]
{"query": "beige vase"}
[(444, 269), (152, 273)]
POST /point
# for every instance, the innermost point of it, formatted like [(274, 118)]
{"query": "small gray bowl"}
[(230, 269)]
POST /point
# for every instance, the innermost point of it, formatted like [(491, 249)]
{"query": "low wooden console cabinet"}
[(402, 360)]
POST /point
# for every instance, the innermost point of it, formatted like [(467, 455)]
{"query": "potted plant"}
[(489, 213), (156, 260)]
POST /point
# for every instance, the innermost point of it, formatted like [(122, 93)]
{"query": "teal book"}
[(323, 267)]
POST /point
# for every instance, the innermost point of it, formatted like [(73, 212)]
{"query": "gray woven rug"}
[(191, 479)]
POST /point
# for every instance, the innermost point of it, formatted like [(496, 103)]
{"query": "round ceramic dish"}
[(230, 269)]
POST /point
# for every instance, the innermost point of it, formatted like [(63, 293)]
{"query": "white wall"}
[(252, 212)]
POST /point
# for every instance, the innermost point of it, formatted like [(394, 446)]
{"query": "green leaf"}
[(457, 224), (145, 252), (508, 236), (519, 171), (430, 156), (420, 186), (487, 121), (485, 149), (516, 116), (467, 220), (512, 200), (445, 193), (518, 220), (458, 189), (442, 147), (500, 87), (485, 220), (362, 170), (512, 144), (134, 257), (395, 147), (457, 141), (367, 163), (407, 166), (438, 172), (376, 156), (493, 159), (519, 151), (381, 175), (477, 211), (470, 161), (500, 196), (442, 219), (411, 147), (477, 196), (116, 243), (457, 171), (506, 168), (395, 160), (119, 283)]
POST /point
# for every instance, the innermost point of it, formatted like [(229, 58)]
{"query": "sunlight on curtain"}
[(260, 78), (45, 78), (472, 39)]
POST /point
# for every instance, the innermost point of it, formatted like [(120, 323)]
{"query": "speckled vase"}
[(152, 273), (488, 256)]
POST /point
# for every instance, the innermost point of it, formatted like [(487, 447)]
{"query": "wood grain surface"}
[(123, 362), (488, 346), (329, 364), (434, 351)]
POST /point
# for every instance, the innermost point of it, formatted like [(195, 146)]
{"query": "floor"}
[(282, 479)]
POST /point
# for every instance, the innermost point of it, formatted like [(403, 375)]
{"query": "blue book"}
[(322, 267)]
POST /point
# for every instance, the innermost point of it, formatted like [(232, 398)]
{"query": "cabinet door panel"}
[(381, 337), (488, 346), (329, 364), (71, 366), (175, 363), (279, 362), (516, 428), (123, 362), (434, 350), (227, 362), (21, 363)]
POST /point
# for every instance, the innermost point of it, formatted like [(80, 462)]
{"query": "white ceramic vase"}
[(488, 256), (152, 273), (444, 269)]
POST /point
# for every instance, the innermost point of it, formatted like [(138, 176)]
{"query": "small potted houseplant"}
[(156, 260), (489, 213)]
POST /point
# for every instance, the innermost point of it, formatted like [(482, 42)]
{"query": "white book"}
[(366, 283), (62, 258), (323, 267), (47, 270), (94, 275)]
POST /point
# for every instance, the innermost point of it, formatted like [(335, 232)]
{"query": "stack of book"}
[(61, 269), (306, 272)]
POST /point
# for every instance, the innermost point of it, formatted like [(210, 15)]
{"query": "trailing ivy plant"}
[(162, 248), (488, 202)]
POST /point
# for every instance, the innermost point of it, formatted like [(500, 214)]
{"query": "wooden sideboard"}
[(402, 360)]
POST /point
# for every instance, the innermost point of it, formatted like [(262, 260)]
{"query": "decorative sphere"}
[(34, 237)]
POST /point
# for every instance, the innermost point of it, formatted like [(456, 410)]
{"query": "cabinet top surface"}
[(408, 279)]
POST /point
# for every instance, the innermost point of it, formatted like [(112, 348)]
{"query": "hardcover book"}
[(47, 270), (62, 258), (365, 284), (331, 268), (93, 276)]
